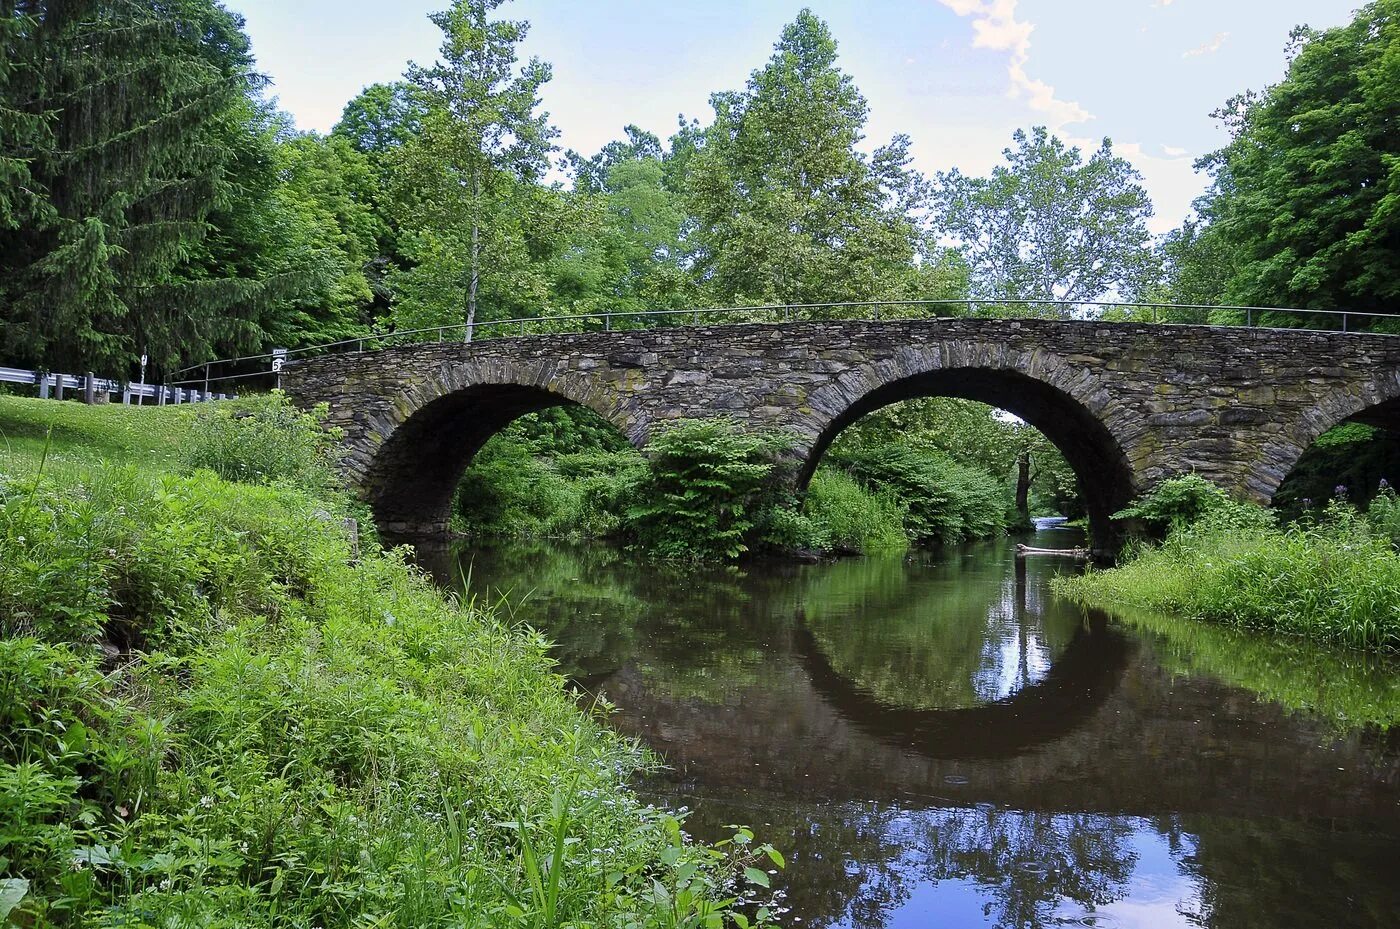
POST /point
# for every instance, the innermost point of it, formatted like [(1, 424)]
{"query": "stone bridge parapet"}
[(1127, 404)]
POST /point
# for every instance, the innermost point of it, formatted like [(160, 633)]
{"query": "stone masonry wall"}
[(1129, 404)]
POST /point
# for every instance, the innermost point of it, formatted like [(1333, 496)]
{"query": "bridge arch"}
[(1374, 403), (439, 424), (1065, 402)]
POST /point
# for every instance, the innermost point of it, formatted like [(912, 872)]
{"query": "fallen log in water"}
[(1024, 550)]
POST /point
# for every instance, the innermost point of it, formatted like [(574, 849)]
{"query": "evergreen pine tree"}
[(122, 106)]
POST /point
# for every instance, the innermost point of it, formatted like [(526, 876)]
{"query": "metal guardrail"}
[(54, 386), (1068, 310)]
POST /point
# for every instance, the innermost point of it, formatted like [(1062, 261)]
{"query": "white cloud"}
[(1161, 3), (1171, 151), (1210, 47), (996, 27)]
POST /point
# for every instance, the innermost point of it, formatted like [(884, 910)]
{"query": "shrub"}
[(263, 440), (310, 735), (851, 518), (706, 488), (1176, 501), (944, 501)]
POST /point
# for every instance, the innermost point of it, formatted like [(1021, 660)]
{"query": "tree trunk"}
[(1023, 488), (474, 278)]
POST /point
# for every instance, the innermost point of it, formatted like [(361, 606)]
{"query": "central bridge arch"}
[(1068, 405)]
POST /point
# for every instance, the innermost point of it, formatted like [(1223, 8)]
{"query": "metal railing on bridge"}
[(93, 389), (209, 374)]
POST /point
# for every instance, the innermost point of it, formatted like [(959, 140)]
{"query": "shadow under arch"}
[(1105, 476), (412, 478), (1079, 681), (1280, 459)]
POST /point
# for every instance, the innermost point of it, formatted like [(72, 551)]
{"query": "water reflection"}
[(937, 740)]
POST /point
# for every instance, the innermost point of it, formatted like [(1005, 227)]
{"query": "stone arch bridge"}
[(1127, 404)]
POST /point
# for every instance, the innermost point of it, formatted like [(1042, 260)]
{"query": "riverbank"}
[(1332, 576), (224, 703)]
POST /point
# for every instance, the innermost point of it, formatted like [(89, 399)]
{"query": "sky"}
[(957, 76)]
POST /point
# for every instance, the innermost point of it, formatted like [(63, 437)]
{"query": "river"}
[(936, 740)]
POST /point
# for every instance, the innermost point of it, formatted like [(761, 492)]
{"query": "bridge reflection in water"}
[(936, 739)]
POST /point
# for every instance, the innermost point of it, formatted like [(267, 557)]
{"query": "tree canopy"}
[(1306, 196)]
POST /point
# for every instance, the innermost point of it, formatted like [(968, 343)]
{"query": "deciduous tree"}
[(464, 184), (1049, 225), (1307, 194), (786, 206)]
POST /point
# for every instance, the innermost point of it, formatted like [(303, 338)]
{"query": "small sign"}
[(279, 358)]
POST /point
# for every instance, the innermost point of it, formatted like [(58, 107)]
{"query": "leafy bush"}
[(1384, 513), (509, 492), (848, 517), (1176, 501), (263, 440), (706, 488), (944, 501), (292, 732)]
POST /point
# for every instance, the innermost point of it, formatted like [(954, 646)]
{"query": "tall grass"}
[(218, 709), (1333, 577)]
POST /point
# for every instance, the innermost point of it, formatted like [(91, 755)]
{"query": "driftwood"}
[(1024, 550)]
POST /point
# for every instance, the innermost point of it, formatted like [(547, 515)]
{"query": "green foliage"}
[(510, 492), (264, 440), (130, 116), (1306, 196), (944, 501), (297, 729), (1357, 458), (1335, 579), (1177, 501), (706, 489), (838, 516), (1080, 226), (785, 205), (474, 222)]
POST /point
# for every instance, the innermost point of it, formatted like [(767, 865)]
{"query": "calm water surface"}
[(934, 740)]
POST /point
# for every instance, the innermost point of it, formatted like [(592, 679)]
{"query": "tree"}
[(463, 185), (382, 118), (325, 223), (1049, 225), (786, 208), (1307, 193), (115, 113), (640, 250)]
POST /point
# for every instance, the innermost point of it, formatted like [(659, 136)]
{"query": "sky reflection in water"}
[(935, 740)]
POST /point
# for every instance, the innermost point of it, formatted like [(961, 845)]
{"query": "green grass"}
[(78, 434), (1335, 579), (217, 708)]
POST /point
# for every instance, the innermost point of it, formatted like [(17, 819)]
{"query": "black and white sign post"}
[(142, 395), (279, 358)]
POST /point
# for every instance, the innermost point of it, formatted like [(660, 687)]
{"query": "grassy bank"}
[(221, 706), (1332, 576)]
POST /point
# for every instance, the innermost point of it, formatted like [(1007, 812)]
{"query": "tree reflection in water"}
[(934, 740)]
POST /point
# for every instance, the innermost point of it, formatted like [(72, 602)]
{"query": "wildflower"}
[(123, 812), (1384, 485), (166, 884), (1340, 490), (207, 802)]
